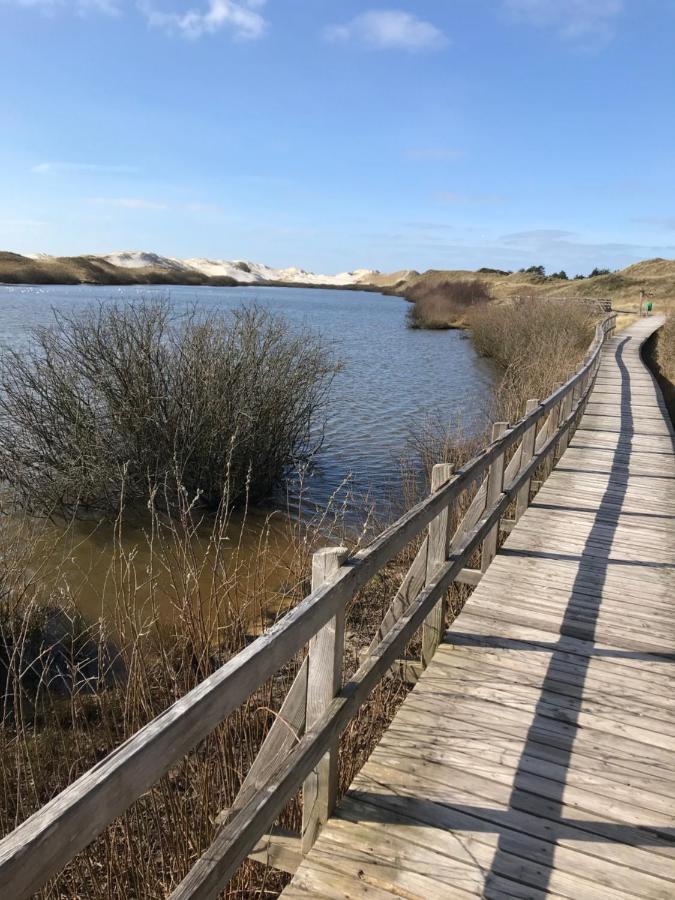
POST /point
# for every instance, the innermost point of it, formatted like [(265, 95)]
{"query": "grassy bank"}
[(659, 354), (665, 348), (655, 277), (537, 345)]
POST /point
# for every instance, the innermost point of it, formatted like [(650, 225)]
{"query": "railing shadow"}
[(381, 804), (591, 565)]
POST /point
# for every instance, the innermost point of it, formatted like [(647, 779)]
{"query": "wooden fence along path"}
[(535, 755)]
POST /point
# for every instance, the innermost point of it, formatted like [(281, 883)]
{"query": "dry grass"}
[(665, 348), (446, 303), (537, 344), (73, 692), (656, 276)]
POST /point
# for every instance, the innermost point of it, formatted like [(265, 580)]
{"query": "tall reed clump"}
[(444, 303), (73, 692), (537, 343), (130, 394)]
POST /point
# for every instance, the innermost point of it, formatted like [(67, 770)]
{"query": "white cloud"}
[(387, 29), (572, 19), (57, 168), (127, 202), (242, 18)]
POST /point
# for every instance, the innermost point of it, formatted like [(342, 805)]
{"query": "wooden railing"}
[(300, 749)]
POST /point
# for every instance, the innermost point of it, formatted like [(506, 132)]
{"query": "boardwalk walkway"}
[(536, 755)]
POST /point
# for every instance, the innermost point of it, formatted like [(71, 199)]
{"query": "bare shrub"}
[(130, 394), (443, 303), (537, 343)]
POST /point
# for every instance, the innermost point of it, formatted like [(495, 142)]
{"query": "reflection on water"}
[(392, 378), (164, 570)]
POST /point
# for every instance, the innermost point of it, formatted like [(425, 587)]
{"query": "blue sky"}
[(336, 135)]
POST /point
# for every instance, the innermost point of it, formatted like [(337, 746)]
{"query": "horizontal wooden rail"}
[(49, 839)]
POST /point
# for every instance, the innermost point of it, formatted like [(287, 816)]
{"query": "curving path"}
[(536, 755)]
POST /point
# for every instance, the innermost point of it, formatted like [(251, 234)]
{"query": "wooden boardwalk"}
[(536, 755)]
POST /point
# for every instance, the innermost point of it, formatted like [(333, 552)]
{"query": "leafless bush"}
[(536, 342), (131, 394), (443, 304)]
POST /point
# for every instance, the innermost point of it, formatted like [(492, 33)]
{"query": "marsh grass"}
[(74, 693), (536, 342), (444, 303)]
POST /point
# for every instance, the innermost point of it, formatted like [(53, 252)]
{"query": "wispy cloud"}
[(22, 223), (108, 7), (572, 19), (666, 223), (127, 202), (537, 236), (460, 199), (204, 209), (78, 168), (434, 154), (241, 18), (388, 29)]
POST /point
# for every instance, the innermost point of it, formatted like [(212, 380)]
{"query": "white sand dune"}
[(242, 270)]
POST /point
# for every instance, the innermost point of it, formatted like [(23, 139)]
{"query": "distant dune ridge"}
[(656, 276), (142, 267)]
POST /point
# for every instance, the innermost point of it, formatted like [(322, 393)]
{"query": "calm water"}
[(393, 377)]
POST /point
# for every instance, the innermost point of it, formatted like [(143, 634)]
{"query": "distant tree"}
[(535, 270), (579, 277), (562, 275), (596, 272)]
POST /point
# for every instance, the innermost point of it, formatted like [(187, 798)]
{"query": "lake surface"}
[(393, 377)]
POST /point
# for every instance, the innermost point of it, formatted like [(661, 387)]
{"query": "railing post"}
[(553, 424), (437, 554), (495, 486), (566, 411), (324, 680), (527, 452)]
